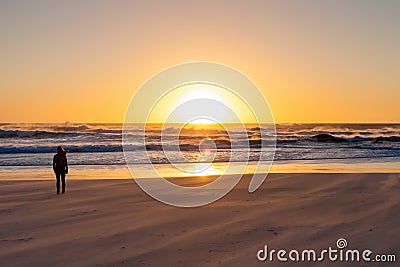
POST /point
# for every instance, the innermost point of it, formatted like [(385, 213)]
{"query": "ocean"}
[(26, 150)]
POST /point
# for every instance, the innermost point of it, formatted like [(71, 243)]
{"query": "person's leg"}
[(63, 182), (58, 182)]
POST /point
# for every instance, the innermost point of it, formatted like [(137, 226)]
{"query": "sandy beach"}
[(114, 223)]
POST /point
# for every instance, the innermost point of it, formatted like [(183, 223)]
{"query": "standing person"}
[(60, 168)]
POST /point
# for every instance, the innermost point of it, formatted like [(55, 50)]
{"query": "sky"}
[(314, 61)]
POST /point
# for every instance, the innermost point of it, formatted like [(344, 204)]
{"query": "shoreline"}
[(120, 171)]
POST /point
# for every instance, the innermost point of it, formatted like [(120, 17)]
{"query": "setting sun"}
[(182, 104), (203, 121)]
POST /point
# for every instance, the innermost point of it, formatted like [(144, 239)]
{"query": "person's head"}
[(60, 150)]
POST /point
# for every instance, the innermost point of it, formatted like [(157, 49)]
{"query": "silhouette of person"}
[(60, 168)]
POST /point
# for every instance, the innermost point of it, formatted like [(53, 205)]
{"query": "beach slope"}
[(114, 223)]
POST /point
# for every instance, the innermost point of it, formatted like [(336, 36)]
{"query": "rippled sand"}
[(114, 223)]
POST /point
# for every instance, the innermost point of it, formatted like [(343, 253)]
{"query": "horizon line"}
[(100, 122)]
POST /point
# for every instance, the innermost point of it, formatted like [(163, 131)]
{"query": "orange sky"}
[(315, 61)]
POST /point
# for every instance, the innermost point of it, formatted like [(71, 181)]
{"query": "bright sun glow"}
[(184, 103), (202, 121)]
